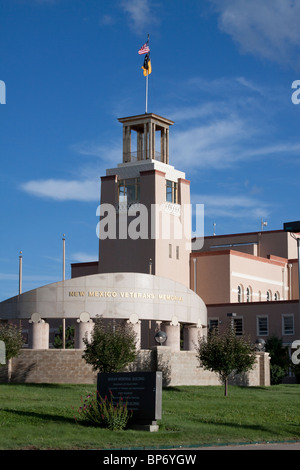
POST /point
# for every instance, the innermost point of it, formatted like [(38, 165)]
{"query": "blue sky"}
[(222, 70)]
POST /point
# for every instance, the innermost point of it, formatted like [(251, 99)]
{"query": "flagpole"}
[(146, 93), (148, 39)]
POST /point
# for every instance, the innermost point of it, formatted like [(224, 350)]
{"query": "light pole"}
[(64, 277), (294, 228), (20, 272)]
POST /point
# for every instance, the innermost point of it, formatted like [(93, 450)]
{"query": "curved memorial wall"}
[(146, 301)]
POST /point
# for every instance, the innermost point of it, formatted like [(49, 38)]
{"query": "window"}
[(213, 324), (170, 251), (262, 326), (129, 190), (171, 192), (277, 296), (238, 326), (240, 293), (249, 294), (269, 296), (177, 252), (288, 324)]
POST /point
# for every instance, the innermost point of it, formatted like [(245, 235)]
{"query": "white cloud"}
[(215, 145), (139, 14), (81, 257), (268, 28), (238, 206), (64, 190)]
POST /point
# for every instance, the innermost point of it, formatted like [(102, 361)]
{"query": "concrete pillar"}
[(83, 329), (136, 326), (172, 330), (150, 131), (145, 141), (153, 139), (38, 335), (167, 146), (190, 337)]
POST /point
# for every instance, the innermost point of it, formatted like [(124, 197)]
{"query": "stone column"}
[(167, 146), (172, 330), (84, 328), (145, 141), (191, 334), (153, 139), (38, 335), (136, 326)]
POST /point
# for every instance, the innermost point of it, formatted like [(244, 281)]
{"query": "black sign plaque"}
[(141, 390)]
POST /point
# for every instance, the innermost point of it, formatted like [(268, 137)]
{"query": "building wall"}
[(260, 275), (212, 273), (67, 366), (220, 273), (262, 244), (250, 313)]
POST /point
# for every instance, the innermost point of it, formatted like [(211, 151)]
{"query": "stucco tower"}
[(145, 222)]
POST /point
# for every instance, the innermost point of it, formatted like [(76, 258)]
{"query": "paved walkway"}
[(262, 446)]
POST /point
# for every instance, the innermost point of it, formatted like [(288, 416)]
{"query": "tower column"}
[(153, 139), (167, 146)]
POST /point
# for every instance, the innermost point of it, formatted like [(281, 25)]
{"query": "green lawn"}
[(41, 417)]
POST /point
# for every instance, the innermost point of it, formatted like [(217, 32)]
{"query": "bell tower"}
[(145, 220), (146, 127)]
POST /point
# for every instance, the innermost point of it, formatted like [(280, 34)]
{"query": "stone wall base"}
[(68, 366)]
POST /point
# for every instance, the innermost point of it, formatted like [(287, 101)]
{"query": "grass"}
[(34, 416)]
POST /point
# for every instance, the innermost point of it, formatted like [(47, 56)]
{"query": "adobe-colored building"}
[(255, 276), (142, 275)]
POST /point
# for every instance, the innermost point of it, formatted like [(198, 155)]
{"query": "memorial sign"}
[(141, 390)]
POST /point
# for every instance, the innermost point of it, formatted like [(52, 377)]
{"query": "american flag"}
[(144, 49)]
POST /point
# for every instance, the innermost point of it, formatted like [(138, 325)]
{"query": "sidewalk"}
[(260, 446)]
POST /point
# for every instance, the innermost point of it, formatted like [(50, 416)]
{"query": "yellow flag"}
[(147, 68)]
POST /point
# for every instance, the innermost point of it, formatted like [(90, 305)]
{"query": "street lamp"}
[(160, 337), (259, 344)]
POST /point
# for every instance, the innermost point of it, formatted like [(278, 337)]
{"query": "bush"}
[(104, 412), (279, 356), (12, 337), (112, 346)]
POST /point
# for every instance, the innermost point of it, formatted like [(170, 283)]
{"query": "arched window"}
[(249, 294), (269, 296), (277, 296), (240, 293)]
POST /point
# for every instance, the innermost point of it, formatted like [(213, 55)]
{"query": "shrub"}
[(104, 412), (112, 346), (12, 337)]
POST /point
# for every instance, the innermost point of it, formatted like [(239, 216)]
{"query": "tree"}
[(279, 359), (112, 346), (58, 340), (225, 354), (12, 337)]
